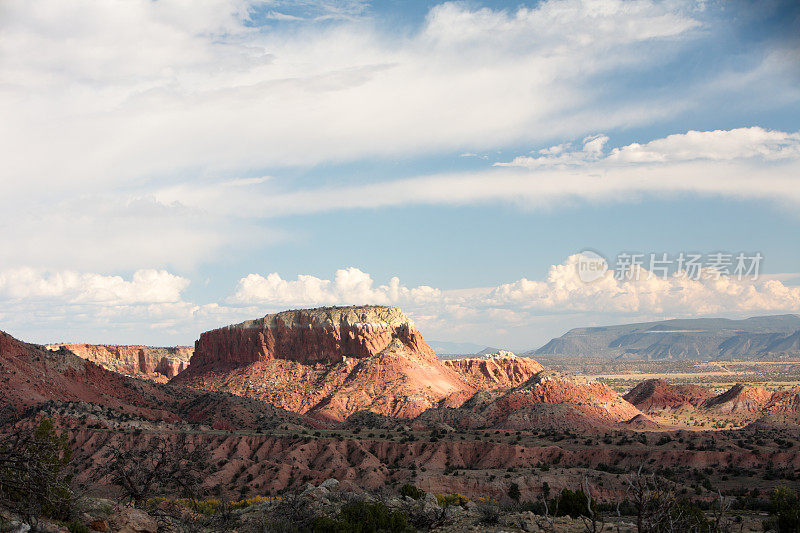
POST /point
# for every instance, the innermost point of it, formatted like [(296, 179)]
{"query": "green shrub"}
[(572, 503), (34, 479), (77, 527), (412, 492), (364, 517), (784, 511)]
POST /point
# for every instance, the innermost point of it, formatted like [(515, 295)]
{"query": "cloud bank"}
[(561, 290), (56, 303)]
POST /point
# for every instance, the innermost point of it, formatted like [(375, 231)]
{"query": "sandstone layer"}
[(328, 362), (148, 362), (323, 335), (500, 369)]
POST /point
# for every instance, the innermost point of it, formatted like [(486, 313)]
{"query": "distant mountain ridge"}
[(700, 338)]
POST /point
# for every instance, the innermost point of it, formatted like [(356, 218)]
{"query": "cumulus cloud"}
[(676, 295), (67, 305), (70, 287), (522, 302), (147, 307), (349, 286)]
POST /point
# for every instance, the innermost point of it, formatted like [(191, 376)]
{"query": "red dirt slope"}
[(547, 400), (63, 384), (656, 395), (739, 398), (32, 375)]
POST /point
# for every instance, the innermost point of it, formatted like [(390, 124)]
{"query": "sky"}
[(173, 166)]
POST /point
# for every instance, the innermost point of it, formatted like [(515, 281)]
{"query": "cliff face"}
[(150, 362), (500, 369), (325, 335), (328, 362)]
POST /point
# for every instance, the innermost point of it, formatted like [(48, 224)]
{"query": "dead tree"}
[(595, 522), (658, 510), (547, 522), (161, 466), (720, 515)]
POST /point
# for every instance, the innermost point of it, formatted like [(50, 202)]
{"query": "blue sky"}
[(172, 167)]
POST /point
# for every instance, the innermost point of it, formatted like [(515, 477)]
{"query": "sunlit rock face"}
[(149, 362), (329, 362)]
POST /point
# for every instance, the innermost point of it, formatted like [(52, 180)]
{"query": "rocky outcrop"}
[(656, 395), (328, 335), (328, 362), (140, 361), (132, 520), (499, 369)]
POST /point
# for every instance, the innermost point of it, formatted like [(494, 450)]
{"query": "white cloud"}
[(482, 312), (717, 145), (751, 163), (122, 101), (119, 91), (107, 104), (146, 308), (114, 232), (562, 155), (349, 286), (678, 294), (149, 306), (70, 287)]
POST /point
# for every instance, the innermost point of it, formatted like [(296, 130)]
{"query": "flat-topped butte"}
[(355, 315)]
